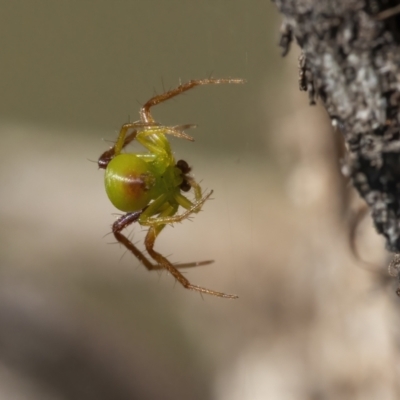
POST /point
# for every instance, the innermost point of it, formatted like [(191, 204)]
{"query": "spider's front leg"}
[(127, 134), (145, 115), (121, 142), (161, 260)]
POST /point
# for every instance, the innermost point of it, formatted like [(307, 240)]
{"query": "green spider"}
[(148, 186)]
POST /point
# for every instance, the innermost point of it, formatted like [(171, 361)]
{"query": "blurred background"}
[(80, 318)]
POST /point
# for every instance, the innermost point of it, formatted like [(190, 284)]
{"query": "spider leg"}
[(196, 187), (161, 260), (177, 131), (126, 220), (120, 224), (144, 112), (190, 264), (123, 140), (163, 220)]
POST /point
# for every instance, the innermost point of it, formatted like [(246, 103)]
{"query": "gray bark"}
[(351, 62)]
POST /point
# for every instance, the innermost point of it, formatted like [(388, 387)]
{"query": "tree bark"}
[(351, 61)]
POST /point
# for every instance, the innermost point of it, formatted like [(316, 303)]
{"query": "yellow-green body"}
[(147, 181)]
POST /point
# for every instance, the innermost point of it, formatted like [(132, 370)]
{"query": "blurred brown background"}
[(80, 318)]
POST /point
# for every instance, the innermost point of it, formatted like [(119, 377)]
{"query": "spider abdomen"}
[(129, 182)]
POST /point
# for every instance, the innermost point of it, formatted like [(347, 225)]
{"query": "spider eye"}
[(129, 182), (185, 186), (183, 166)]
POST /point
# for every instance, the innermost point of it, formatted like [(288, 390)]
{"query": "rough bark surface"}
[(351, 61)]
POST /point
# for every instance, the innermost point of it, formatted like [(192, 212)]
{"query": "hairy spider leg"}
[(147, 219), (146, 119), (124, 138), (126, 220), (145, 115), (144, 129), (177, 131), (196, 188), (161, 260), (121, 142), (166, 211)]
